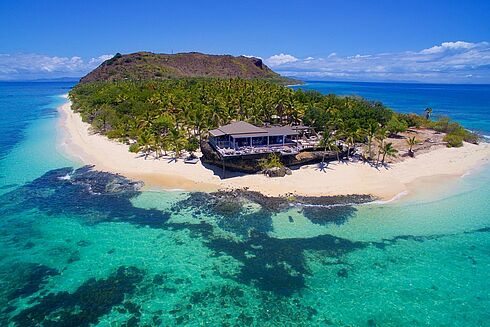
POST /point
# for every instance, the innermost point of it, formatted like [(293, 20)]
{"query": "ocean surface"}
[(468, 104), (81, 248)]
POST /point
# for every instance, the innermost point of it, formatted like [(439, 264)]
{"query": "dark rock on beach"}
[(277, 172)]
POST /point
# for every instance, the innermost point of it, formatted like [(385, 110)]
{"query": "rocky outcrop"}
[(100, 182), (215, 202), (277, 172), (308, 157)]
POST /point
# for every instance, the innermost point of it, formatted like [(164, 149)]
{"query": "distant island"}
[(236, 114)]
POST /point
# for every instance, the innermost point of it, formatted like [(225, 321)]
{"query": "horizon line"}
[(68, 79)]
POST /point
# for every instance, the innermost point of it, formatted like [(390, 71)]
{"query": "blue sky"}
[(430, 41)]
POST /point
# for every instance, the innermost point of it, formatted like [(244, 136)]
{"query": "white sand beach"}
[(80, 144)]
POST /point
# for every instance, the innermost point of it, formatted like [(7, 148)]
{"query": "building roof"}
[(237, 129), (216, 132), (240, 127), (280, 130), (244, 129)]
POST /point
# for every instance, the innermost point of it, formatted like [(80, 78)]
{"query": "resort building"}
[(242, 138)]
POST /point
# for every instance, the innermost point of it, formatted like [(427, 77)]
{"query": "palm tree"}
[(411, 142), (380, 137), (336, 148), (146, 120), (370, 133), (177, 142), (428, 113), (388, 150), (145, 144), (328, 143), (350, 138), (162, 145)]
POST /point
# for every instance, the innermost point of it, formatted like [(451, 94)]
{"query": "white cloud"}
[(280, 59), (250, 56), (358, 56), (448, 62), (34, 66), (458, 45), (459, 61), (98, 60)]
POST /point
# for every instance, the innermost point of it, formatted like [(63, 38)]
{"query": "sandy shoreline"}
[(80, 144)]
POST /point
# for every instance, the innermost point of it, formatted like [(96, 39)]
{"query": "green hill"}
[(147, 65)]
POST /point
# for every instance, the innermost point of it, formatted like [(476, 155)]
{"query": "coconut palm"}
[(381, 136), (370, 133), (388, 150), (145, 144), (351, 136), (162, 144), (411, 141), (328, 143), (177, 142), (146, 120)]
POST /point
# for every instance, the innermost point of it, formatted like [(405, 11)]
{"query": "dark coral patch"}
[(26, 279), (321, 215), (29, 245), (100, 197), (276, 265), (279, 265), (83, 243), (343, 272), (271, 264), (228, 210), (86, 305)]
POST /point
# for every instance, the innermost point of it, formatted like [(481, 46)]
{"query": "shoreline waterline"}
[(78, 143)]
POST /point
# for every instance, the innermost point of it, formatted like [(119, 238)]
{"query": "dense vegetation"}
[(173, 115)]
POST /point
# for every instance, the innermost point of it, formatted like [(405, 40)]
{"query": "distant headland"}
[(153, 66)]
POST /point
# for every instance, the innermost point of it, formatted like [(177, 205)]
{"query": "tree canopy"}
[(128, 109), (167, 115)]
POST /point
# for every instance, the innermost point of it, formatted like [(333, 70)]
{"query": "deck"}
[(283, 150)]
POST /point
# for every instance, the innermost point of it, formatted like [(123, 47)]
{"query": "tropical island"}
[(236, 116)]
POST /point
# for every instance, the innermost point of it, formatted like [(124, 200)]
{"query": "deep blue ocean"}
[(74, 254), (467, 104)]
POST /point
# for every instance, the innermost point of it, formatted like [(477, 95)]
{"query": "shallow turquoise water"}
[(71, 255)]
